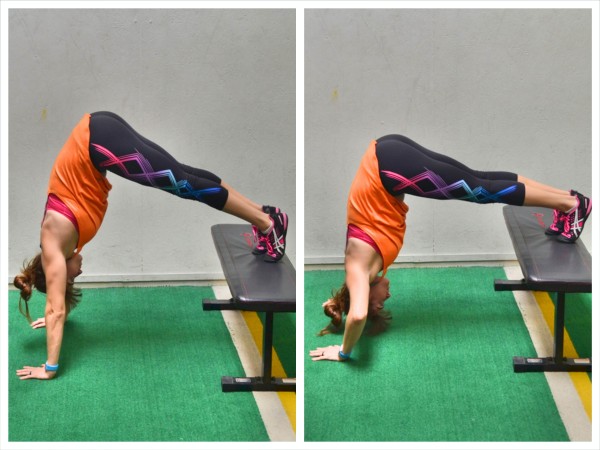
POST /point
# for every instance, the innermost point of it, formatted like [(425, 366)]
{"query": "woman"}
[(77, 202), (392, 167)]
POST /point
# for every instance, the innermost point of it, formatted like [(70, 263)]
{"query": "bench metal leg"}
[(266, 382), (257, 384), (551, 364), (556, 363), (268, 346)]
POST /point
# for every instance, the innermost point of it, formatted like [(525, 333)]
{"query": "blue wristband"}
[(51, 367), (344, 356)]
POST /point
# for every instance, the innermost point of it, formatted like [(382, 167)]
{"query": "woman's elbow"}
[(57, 314), (357, 316)]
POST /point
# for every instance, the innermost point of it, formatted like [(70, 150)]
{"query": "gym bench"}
[(255, 285), (551, 266)]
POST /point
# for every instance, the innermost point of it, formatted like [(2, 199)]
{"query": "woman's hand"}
[(331, 353), (35, 373), (39, 323)]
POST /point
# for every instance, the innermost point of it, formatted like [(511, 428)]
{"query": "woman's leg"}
[(407, 168), (269, 225), (531, 183), (115, 146), (245, 209), (537, 194), (410, 168)]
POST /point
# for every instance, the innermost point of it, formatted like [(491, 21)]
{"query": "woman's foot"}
[(260, 240), (276, 238), (575, 219)]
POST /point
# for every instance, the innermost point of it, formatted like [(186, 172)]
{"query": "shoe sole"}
[(552, 232)]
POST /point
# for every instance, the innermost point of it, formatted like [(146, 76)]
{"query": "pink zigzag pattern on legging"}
[(444, 190), (180, 188)]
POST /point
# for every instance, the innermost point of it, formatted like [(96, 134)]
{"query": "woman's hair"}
[(32, 275), (339, 304)]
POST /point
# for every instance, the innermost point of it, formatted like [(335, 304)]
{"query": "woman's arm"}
[(59, 239), (55, 268), (357, 280), (361, 263)]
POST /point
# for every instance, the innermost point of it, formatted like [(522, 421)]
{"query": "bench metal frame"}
[(550, 266), (255, 285)]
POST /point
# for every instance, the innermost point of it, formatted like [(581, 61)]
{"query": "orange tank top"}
[(375, 211), (78, 184)]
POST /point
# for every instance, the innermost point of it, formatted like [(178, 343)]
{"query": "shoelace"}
[(255, 235), (559, 216)]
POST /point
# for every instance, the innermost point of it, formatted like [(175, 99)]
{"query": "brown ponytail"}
[(339, 304), (335, 307), (32, 275)]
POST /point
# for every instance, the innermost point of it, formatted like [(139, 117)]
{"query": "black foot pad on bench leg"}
[(245, 384), (550, 364)]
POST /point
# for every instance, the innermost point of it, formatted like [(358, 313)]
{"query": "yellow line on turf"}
[(288, 399), (581, 381)]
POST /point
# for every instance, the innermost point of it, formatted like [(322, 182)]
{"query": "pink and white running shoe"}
[(276, 238), (575, 220), (260, 240)]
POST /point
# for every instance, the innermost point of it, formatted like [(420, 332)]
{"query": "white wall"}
[(498, 89), (216, 88)]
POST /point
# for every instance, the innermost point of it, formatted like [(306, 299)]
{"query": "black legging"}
[(115, 146), (406, 167)]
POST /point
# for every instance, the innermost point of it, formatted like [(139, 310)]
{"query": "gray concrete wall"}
[(497, 89), (216, 88)]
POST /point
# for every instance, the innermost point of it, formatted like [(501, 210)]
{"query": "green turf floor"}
[(441, 372), (137, 364), (284, 340)]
